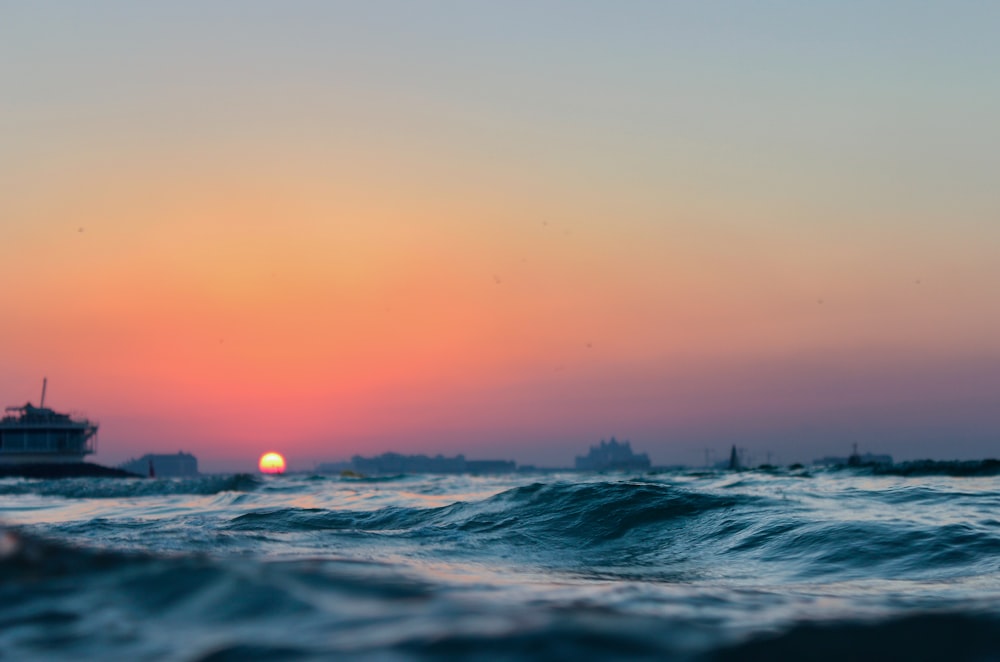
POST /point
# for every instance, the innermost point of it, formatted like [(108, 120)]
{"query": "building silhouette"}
[(396, 463), (612, 455)]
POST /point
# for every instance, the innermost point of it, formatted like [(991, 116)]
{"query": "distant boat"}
[(734, 460), (39, 435), (166, 465)]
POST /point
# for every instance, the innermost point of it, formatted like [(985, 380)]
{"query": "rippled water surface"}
[(700, 566)]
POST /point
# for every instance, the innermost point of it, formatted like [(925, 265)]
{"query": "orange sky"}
[(389, 236)]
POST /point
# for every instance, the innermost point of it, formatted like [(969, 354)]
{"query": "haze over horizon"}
[(505, 230)]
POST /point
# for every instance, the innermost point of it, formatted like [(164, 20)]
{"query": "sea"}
[(778, 564)]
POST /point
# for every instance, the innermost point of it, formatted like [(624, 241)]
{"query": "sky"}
[(504, 229)]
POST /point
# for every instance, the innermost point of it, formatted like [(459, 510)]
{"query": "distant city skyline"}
[(504, 230)]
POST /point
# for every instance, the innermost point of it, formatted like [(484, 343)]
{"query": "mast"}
[(854, 460), (734, 460), (45, 382)]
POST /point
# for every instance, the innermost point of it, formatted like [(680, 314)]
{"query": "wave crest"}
[(114, 488)]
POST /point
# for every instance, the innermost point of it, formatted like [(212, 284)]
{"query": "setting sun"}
[(272, 463)]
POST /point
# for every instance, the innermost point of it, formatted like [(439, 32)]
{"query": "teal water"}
[(701, 566)]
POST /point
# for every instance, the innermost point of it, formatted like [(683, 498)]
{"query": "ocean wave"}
[(827, 551), (956, 468), (58, 601), (113, 488), (579, 635), (917, 468), (919, 637), (723, 566), (660, 532), (590, 511), (626, 529), (374, 479), (63, 602)]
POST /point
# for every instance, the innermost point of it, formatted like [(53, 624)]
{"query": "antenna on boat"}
[(45, 382)]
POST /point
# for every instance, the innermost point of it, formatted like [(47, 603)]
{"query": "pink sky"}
[(337, 233)]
